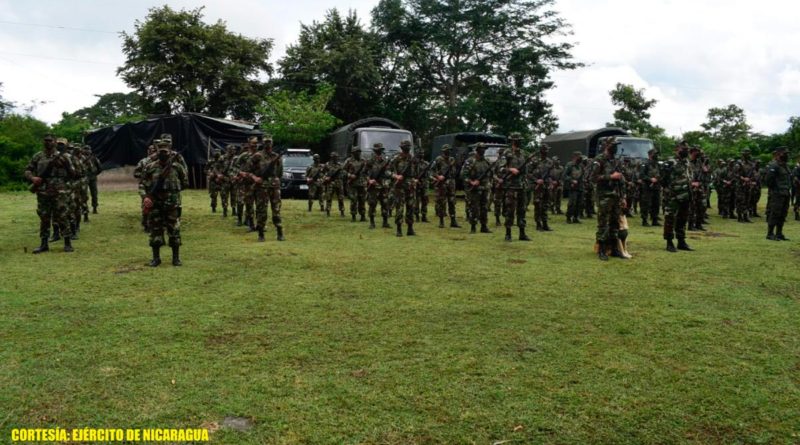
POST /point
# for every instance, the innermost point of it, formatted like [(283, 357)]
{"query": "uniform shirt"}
[(315, 171), (267, 166), (403, 164), (175, 179), (778, 179), (573, 175), (333, 171), (602, 169), (357, 167), (647, 172), (378, 169), (423, 173), (59, 175), (474, 169), (678, 179), (517, 161)]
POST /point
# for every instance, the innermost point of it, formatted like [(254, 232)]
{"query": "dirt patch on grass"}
[(117, 179), (517, 261), (710, 234)]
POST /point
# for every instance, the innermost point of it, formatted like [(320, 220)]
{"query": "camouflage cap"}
[(515, 136), (577, 153), (62, 141), (315, 157), (230, 147), (377, 146), (446, 147), (267, 138), (405, 144), (334, 155), (480, 146), (166, 137)]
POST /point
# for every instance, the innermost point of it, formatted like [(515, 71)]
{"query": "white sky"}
[(689, 55)]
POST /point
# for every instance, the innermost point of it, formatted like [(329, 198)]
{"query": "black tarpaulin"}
[(192, 133)]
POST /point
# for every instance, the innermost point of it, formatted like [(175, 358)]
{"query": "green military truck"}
[(589, 143)]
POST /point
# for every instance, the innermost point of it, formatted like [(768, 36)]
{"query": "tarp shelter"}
[(193, 135)]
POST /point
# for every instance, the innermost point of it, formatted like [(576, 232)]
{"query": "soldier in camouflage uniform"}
[(796, 189), (265, 169), (677, 178), (403, 170), (609, 181), (231, 173), (476, 175), (718, 173), (649, 178), (333, 184), (779, 180), (588, 191), (246, 196), (79, 184), (138, 172), (631, 190), (512, 177), (423, 183), (556, 187), (377, 174), (744, 173), (314, 174), (48, 171), (573, 181), (94, 171), (755, 188), (215, 173), (443, 171), (497, 196), (227, 186), (541, 177), (356, 172), (697, 204), (162, 182)]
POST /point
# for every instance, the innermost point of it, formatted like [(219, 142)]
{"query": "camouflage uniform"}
[(755, 188), (217, 179), (227, 188), (160, 189), (403, 169), (334, 184), (245, 191), (356, 170), (631, 186), (443, 171), (421, 190), (377, 174), (796, 189), (588, 191), (744, 173), (779, 180), (50, 171), (94, 169), (556, 187), (476, 175), (697, 206), (610, 194), (573, 181), (265, 170), (515, 188), (232, 174), (541, 177), (497, 196), (313, 178), (649, 178), (677, 178)]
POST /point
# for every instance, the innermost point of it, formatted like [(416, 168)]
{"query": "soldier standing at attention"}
[(246, 190), (355, 169), (796, 188), (227, 185), (475, 175), (609, 182), (779, 181), (95, 170), (423, 182), (556, 188), (403, 170), (744, 172), (444, 183), (265, 170), (232, 153), (215, 173), (497, 195), (588, 191), (333, 184), (313, 178), (541, 175), (677, 179), (573, 181), (650, 186), (512, 179), (48, 171), (698, 199), (160, 189), (377, 173)]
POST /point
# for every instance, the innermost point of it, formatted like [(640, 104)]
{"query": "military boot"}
[(472, 228), (327, 211), (156, 256), (86, 217), (497, 220), (508, 234), (224, 212), (94, 210), (485, 229), (671, 246), (601, 251), (779, 236), (453, 223), (385, 224), (310, 205), (176, 256), (353, 217), (371, 222), (569, 220), (68, 244), (75, 229), (683, 246), (545, 227), (441, 222), (261, 234), (538, 226), (251, 227), (213, 209), (797, 215), (363, 218), (280, 233), (341, 213), (576, 220), (239, 215), (655, 223), (233, 209), (644, 222), (410, 231), (56, 234), (416, 216), (771, 233), (399, 229), (425, 218), (43, 247), (522, 235)]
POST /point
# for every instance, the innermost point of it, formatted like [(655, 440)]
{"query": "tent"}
[(193, 135)]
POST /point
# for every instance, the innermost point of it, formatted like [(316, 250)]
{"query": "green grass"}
[(346, 335)]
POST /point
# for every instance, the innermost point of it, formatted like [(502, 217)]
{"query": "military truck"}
[(589, 143), (462, 144), (363, 134)]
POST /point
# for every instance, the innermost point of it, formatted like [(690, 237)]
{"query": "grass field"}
[(346, 335)]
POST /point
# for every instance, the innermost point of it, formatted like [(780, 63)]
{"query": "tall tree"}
[(176, 63), (112, 108), (633, 113), (485, 64), (727, 126), (340, 52), (298, 118), (792, 138)]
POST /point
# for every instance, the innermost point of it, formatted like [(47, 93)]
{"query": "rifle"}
[(445, 173), (158, 186), (356, 174), (483, 175), (424, 171), (34, 188), (521, 167), (380, 173), (269, 169), (405, 172)]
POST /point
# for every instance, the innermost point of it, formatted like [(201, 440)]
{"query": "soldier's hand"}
[(475, 182), (257, 180), (147, 202), (616, 176), (440, 178), (372, 182), (352, 176), (695, 184), (398, 177), (514, 171), (540, 181), (654, 180), (574, 183), (37, 181), (309, 180)]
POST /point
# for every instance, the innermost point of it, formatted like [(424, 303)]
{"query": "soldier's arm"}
[(32, 170)]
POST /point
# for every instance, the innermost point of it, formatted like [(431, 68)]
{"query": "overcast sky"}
[(689, 55)]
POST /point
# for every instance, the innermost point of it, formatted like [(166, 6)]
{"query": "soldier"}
[(314, 179), (744, 172), (443, 171), (588, 191), (631, 191), (138, 173), (677, 178), (796, 188), (246, 196), (377, 173), (497, 196), (755, 188), (79, 184), (421, 191), (541, 175), (333, 184), (403, 170), (779, 182), (215, 172), (513, 175), (556, 189), (475, 175), (355, 169), (162, 182), (649, 178), (609, 183), (719, 175), (227, 184), (94, 171), (265, 169), (48, 171), (573, 180), (697, 206)]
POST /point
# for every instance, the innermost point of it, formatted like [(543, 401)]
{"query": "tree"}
[(633, 113), (176, 63), (5, 107), (483, 64), (792, 138), (112, 108), (337, 51), (20, 137), (71, 127), (297, 118), (727, 126)]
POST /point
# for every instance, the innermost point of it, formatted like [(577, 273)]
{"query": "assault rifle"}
[(356, 174), (269, 169), (47, 172), (380, 172)]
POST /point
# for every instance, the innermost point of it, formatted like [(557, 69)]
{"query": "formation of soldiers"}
[(64, 177)]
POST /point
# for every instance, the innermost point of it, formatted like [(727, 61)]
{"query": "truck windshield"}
[(297, 161), (390, 139), (634, 148)]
